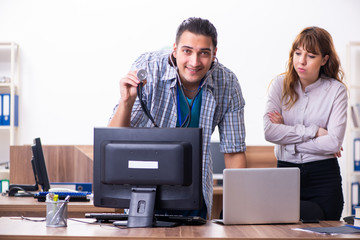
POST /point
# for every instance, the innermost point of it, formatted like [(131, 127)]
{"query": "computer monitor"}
[(42, 177), (148, 169), (218, 162), (39, 170)]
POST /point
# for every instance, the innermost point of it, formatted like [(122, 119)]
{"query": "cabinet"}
[(9, 86), (352, 74)]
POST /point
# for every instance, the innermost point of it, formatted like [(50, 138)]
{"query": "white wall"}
[(73, 52)]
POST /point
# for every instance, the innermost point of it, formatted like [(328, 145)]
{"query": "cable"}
[(143, 106)]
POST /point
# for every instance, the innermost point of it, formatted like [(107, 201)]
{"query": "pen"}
[(59, 212)]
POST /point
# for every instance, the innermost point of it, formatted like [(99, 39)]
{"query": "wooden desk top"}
[(30, 207), (17, 228)]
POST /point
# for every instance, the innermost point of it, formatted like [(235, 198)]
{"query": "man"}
[(188, 79)]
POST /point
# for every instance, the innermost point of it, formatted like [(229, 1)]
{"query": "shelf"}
[(6, 87), (9, 68), (354, 43), (7, 127), (353, 79)]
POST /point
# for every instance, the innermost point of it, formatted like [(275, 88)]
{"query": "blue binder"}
[(356, 154), (6, 111), (355, 194), (1, 110)]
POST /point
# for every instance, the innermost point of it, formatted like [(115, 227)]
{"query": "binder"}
[(81, 187), (4, 186), (6, 113), (356, 156), (355, 117), (354, 196), (6, 109), (1, 110), (16, 111)]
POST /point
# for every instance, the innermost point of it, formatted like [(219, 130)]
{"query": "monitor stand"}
[(15, 188), (141, 210)]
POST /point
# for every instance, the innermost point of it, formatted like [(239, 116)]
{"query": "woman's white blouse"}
[(322, 104)]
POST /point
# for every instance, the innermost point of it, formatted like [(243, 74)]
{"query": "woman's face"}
[(307, 65)]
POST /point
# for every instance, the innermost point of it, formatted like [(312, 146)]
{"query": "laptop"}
[(261, 196)]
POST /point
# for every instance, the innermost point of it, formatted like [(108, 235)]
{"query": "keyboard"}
[(74, 196), (182, 220)]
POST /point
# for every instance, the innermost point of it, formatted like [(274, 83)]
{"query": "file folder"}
[(4, 185), (6, 109), (6, 112), (354, 196), (16, 111), (1, 110), (356, 156)]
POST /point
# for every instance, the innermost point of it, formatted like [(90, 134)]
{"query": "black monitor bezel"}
[(40, 165), (104, 197)]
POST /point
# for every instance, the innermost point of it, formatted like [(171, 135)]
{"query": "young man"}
[(188, 79)]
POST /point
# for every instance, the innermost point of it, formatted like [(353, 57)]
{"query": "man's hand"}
[(128, 93), (128, 87)]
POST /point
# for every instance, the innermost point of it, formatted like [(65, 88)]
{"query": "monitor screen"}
[(218, 162), (39, 170), (148, 169), (41, 175)]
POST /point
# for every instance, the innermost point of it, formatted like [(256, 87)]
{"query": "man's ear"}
[(174, 50), (215, 50)]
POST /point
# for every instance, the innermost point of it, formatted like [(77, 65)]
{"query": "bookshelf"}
[(353, 130), (9, 84)]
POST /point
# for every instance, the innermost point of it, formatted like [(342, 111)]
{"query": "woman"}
[(305, 117)]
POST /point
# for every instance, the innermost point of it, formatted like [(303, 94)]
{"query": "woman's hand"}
[(338, 154), (276, 117), (321, 132)]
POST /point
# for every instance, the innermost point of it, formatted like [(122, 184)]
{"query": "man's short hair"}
[(197, 26)]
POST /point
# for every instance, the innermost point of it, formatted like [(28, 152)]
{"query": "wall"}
[(73, 53)]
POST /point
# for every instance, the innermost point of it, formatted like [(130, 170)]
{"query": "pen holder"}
[(56, 213)]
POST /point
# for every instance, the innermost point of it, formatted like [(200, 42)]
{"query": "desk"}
[(16, 228), (30, 207)]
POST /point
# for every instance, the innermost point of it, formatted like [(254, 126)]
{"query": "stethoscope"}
[(142, 76), (187, 119)]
